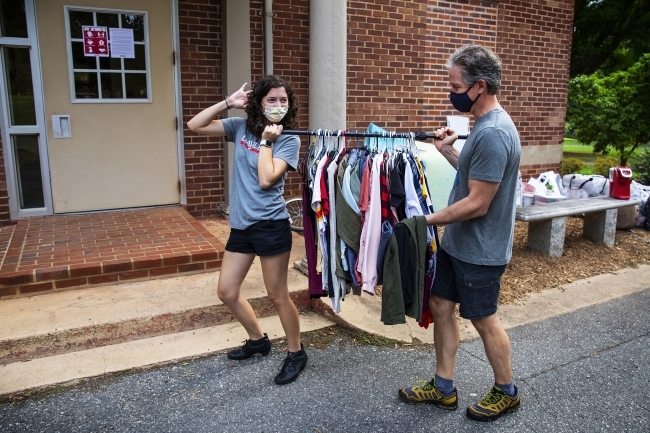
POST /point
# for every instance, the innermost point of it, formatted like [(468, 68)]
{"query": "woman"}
[(259, 222)]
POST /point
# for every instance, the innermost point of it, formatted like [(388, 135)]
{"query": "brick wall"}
[(534, 43), (201, 65), (396, 75), (290, 60), (396, 56), (451, 24), (397, 51), (528, 171), (386, 63), (201, 72)]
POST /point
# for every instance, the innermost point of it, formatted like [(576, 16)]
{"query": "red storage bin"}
[(620, 179)]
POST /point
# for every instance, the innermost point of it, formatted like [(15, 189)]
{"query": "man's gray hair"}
[(477, 62)]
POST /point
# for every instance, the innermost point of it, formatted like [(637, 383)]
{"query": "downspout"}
[(268, 37)]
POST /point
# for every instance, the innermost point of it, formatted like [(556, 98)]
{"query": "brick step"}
[(22, 378), (71, 321), (67, 277)]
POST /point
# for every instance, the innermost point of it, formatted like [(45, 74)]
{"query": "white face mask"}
[(275, 114)]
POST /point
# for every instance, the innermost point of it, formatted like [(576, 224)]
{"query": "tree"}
[(612, 111), (609, 35)]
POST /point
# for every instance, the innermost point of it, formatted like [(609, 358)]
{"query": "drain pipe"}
[(268, 37)]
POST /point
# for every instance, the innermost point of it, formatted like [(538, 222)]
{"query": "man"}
[(477, 241)]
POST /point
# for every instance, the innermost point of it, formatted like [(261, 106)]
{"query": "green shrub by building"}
[(603, 164), (571, 165)]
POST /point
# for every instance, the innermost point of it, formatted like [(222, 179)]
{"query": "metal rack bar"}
[(420, 136)]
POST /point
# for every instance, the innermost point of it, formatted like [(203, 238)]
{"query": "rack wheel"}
[(294, 207)]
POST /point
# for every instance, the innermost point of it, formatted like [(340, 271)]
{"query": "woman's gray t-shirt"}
[(249, 203), (491, 153)]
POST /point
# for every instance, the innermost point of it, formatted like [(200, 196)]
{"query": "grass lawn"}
[(574, 149)]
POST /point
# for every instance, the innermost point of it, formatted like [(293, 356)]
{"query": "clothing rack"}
[(420, 136)]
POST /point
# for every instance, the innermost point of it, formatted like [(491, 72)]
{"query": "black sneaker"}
[(291, 367), (250, 348)]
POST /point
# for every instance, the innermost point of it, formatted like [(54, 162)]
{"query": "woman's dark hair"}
[(255, 110)]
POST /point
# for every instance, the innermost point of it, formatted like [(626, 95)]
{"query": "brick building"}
[(83, 133)]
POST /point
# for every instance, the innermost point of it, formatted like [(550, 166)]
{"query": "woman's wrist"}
[(228, 106)]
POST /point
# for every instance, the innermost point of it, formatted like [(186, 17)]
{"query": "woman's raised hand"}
[(239, 99), (272, 132)]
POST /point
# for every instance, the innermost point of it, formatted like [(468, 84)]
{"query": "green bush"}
[(569, 132), (571, 165), (603, 164), (640, 166)]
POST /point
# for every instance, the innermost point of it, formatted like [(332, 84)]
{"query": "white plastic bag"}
[(584, 186), (519, 194), (545, 182), (639, 192)]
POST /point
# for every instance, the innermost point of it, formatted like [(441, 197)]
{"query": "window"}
[(13, 21), (110, 78)]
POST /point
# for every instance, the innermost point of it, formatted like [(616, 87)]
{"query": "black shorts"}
[(264, 238), (475, 287)]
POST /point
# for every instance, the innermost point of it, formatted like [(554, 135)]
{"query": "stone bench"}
[(547, 222)]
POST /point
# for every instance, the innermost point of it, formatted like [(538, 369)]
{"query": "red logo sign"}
[(95, 41)]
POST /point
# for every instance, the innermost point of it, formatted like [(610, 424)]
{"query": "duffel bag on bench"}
[(584, 186)]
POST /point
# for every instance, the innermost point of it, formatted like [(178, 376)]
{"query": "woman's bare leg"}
[(234, 268), (274, 270)]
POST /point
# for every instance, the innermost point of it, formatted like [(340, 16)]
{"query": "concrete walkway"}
[(583, 371), (364, 312)]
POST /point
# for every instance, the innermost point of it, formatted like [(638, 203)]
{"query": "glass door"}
[(21, 104)]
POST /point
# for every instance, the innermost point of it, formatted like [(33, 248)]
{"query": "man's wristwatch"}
[(266, 143)]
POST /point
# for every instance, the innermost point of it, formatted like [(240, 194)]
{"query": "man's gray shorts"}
[(475, 287)]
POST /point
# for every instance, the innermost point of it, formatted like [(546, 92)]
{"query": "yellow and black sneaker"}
[(493, 405), (427, 393)]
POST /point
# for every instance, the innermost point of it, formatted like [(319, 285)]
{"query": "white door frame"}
[(178, 101), (30, 42)]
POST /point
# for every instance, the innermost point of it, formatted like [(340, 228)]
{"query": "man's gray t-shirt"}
[(491, 153), (249, 203)]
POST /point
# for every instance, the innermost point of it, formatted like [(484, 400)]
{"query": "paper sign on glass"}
[(95, 41), (122, 45)]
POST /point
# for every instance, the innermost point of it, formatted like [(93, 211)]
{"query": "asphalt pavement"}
[(584, 371)]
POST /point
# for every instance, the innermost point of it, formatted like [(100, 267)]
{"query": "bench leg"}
[(601, 226), (547, 236)]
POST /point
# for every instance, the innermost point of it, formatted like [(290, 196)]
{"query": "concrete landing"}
[(77, 320)]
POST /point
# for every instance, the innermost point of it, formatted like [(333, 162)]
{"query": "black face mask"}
[(461, 101)]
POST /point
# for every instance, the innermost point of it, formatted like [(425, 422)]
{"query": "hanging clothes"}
[(338, 284), (371, 232), (404, 271), (356, 197), (315, 283)]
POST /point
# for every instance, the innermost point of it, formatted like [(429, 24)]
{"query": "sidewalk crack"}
[(590, 355)]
